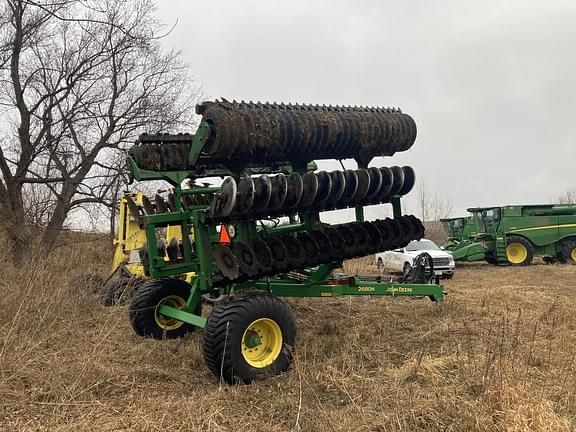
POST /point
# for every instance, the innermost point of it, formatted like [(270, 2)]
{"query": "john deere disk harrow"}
[(258, 235)]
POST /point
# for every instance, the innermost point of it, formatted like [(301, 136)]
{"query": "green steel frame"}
[(198, 258)]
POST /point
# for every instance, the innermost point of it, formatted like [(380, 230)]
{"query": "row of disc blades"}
[(161, 157), (272, 132), (274, 255), (287, 194), (159, 204)]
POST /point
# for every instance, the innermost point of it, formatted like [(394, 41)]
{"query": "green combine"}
[(462, 244), (252, 233), (516, 234)]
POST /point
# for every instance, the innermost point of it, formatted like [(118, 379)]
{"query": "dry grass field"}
[(498, 355)]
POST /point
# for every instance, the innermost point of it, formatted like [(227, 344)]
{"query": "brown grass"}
[(498, 355)]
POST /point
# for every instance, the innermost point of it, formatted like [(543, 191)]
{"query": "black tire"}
[(119, 290), (380, 265), (226, 333), (526, 255), (491, 258), (86, 283), (568, 253), (406, 269), (143, 316)]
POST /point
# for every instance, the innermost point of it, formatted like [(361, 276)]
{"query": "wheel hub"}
[(516, 253), (166, 323), (262, 343), (252, 339)]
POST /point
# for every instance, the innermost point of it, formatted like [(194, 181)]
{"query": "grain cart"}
[(461, 234), (271, 242), (515, 234)]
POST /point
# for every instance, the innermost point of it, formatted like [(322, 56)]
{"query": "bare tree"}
[(568, 197), (431, 208), (79, 80)]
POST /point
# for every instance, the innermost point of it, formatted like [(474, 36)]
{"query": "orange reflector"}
[(224, 235)]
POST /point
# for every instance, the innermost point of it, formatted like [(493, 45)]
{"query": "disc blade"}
[(245, 197), (324, 189), (350, 188), (224, 201), (280, 260), (262, 192), (338, 185), (309, 191), (324, 246), (247, 259), (279, 192), (375, 183), (310, 247), (226, 261), (294, 192), (409, 180), (296, 255), (363, 185), (263, 256), (398, 181)]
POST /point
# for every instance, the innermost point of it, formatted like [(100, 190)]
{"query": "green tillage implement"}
[(515, 234), (461, 234), (250, 331)]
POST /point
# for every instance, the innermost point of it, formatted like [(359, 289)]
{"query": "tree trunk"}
[(19, 246), (20, 242)]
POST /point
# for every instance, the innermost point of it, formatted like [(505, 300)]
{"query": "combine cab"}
[(257, 231), (461, 234), (516, 234)]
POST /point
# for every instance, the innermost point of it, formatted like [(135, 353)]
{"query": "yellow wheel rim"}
[(573, 254), (262, 343), (166, 323), (516, 253)]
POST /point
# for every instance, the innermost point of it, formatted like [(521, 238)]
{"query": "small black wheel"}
[(569, 251), (406, 269), (519, 251), (249, 337), (144, 315), (380, 265), (119, 290), (87, 283)]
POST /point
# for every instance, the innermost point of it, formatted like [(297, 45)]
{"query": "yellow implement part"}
[(262, 343), (131, 237)]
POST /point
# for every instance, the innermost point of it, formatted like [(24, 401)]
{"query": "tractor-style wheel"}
[(119, 290), (519, 251), (569, 251), (86, 283), (249, 337), (145, 318)]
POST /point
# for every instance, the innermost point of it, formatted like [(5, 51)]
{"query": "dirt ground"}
[(499, 354)]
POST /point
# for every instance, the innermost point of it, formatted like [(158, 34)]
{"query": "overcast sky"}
[(491, 84)]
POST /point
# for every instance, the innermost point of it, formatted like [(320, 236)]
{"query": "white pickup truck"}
[(401, 260)]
